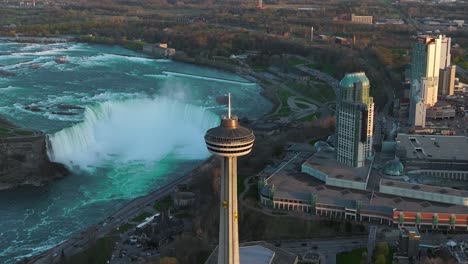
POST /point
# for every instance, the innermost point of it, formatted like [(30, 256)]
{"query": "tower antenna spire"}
[(229, 105), (229, 141)]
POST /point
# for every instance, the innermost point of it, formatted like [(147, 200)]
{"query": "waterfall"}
[(133, 130)]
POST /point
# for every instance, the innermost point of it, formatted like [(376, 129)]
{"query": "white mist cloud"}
[(133, 130)]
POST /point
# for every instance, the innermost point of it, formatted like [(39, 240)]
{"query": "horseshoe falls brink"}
[(131, 129)]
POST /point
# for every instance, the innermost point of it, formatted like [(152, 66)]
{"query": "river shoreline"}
[(82, 240), (140, 202), (213, 64)]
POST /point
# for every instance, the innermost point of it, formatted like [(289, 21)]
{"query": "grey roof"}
[(424, 188), (378, 208), (326, 163), (433, 147), (255, 254), (322, 145), (240, 133)]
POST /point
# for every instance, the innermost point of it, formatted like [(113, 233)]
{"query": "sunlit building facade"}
[(355, 119)]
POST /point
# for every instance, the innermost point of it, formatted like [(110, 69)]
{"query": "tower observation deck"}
[(229, 141)]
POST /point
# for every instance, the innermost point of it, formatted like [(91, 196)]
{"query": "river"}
[(124, 124)]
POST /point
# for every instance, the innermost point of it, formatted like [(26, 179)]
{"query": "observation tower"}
[(229, 141)]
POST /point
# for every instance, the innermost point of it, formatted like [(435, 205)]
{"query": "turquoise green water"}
[(140, 124)]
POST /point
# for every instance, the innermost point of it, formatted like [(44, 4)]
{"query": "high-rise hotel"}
[(431, 75), (355, 120)]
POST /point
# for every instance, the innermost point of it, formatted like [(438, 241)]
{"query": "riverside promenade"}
[(82, 240)]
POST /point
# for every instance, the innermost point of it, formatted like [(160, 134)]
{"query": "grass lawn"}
[(301, 105), (311, 117), (351, 257), (163, 204), (283, 112), (125, 227), (23, 133), (6, 131), (98, 253), (320, 92), (326, 68), (295, 61), (283, 95), (141, 217), (303, 101)]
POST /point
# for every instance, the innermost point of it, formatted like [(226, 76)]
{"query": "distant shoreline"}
[(178, 58)]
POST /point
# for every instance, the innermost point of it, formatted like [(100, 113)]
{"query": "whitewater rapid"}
[(120, 132), (135, 127)]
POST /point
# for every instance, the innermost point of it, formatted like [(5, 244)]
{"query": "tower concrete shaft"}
[(229, 141), (228, 249)]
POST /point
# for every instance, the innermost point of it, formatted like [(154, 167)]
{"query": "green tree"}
[(380, 259), (382, 249)]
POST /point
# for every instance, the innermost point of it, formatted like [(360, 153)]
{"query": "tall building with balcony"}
[(355, 120), (425, 63), (447, 80), (431, 75)]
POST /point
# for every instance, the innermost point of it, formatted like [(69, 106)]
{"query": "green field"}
[(163, 204), (326, 68), (141, 217), (100, 252), (312, 117), (351, 257), (125, 227), (317, 91), (295, 61)]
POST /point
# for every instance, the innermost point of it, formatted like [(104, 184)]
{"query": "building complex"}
[(344, 181)]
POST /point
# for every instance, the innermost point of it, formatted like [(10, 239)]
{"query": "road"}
[(326, 249), (123, 215)]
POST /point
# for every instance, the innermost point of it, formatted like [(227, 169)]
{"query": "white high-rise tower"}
[(229, 141)]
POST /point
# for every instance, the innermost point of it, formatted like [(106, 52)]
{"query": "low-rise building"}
[(433, 152), (409, 240), (441, 110), (323, 166), (424, 192), (288, 189), (159, 50), (361, 19), (459, 87)]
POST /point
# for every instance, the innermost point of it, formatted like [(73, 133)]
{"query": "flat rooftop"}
[(433, 147), (258, 252), (424, 188), (326, 162), (291, 183)]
